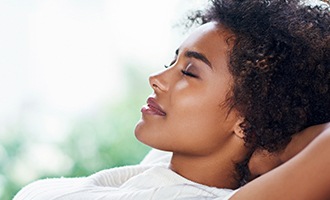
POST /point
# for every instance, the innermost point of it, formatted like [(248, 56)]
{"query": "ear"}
[(238, 131)]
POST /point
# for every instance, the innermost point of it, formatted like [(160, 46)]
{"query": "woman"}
[(253, 75)]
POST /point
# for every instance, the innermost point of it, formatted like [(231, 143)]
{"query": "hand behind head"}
[(263, 161)]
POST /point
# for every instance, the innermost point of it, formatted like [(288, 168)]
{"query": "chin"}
[(141, 132), (142, 135), (138, 129)]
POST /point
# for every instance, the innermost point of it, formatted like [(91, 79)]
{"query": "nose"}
[(158, 82)]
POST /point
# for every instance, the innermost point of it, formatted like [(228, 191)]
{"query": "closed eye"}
[(186, 73)]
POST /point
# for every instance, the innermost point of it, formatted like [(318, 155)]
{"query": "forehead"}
[(212, 40), (211, 35)]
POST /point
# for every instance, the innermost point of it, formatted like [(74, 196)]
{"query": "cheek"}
[(197, 103), (199, 132), (196, 115), (181, 85), (200, 111), (197, 121)]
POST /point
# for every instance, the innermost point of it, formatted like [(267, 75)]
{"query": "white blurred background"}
[(65, 56), (68, 71)]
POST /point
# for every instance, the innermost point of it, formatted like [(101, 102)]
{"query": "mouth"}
[(152, 108)]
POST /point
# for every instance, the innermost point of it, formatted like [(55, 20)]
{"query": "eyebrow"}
[(196, 55)]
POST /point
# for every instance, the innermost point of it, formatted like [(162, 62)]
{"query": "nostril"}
[(154, 85), (157, 82)]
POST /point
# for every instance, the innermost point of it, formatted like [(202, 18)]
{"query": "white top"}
[(151, 179), (145, 182)]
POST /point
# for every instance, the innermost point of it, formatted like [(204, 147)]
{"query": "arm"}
[(262, 161), (305, 176)]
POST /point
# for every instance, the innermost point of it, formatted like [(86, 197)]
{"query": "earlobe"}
[(238, 131)]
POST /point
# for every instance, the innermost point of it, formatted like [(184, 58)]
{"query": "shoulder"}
[(66, 188), (48, 188)]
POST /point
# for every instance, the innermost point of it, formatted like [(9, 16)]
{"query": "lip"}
[(152, 108)]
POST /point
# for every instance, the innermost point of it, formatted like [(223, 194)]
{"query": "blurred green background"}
[(73, 78), (95, 142)]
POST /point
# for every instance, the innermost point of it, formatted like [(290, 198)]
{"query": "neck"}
[(214, 170)]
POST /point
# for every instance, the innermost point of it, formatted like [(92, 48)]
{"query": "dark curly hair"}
[(280, 66)]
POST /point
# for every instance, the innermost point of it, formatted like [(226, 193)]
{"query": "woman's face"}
[(186, 112)]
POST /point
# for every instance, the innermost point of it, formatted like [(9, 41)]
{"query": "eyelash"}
[(186, 73), (167, 66)]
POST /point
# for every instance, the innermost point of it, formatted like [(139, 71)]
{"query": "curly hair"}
[(280, 67)]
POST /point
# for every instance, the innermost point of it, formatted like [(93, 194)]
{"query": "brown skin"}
[(206, 141), (198, 128), (262, 161), (303, 177)]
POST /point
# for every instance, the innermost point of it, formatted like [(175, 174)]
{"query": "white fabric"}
[(156, 156), (145, 182)]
